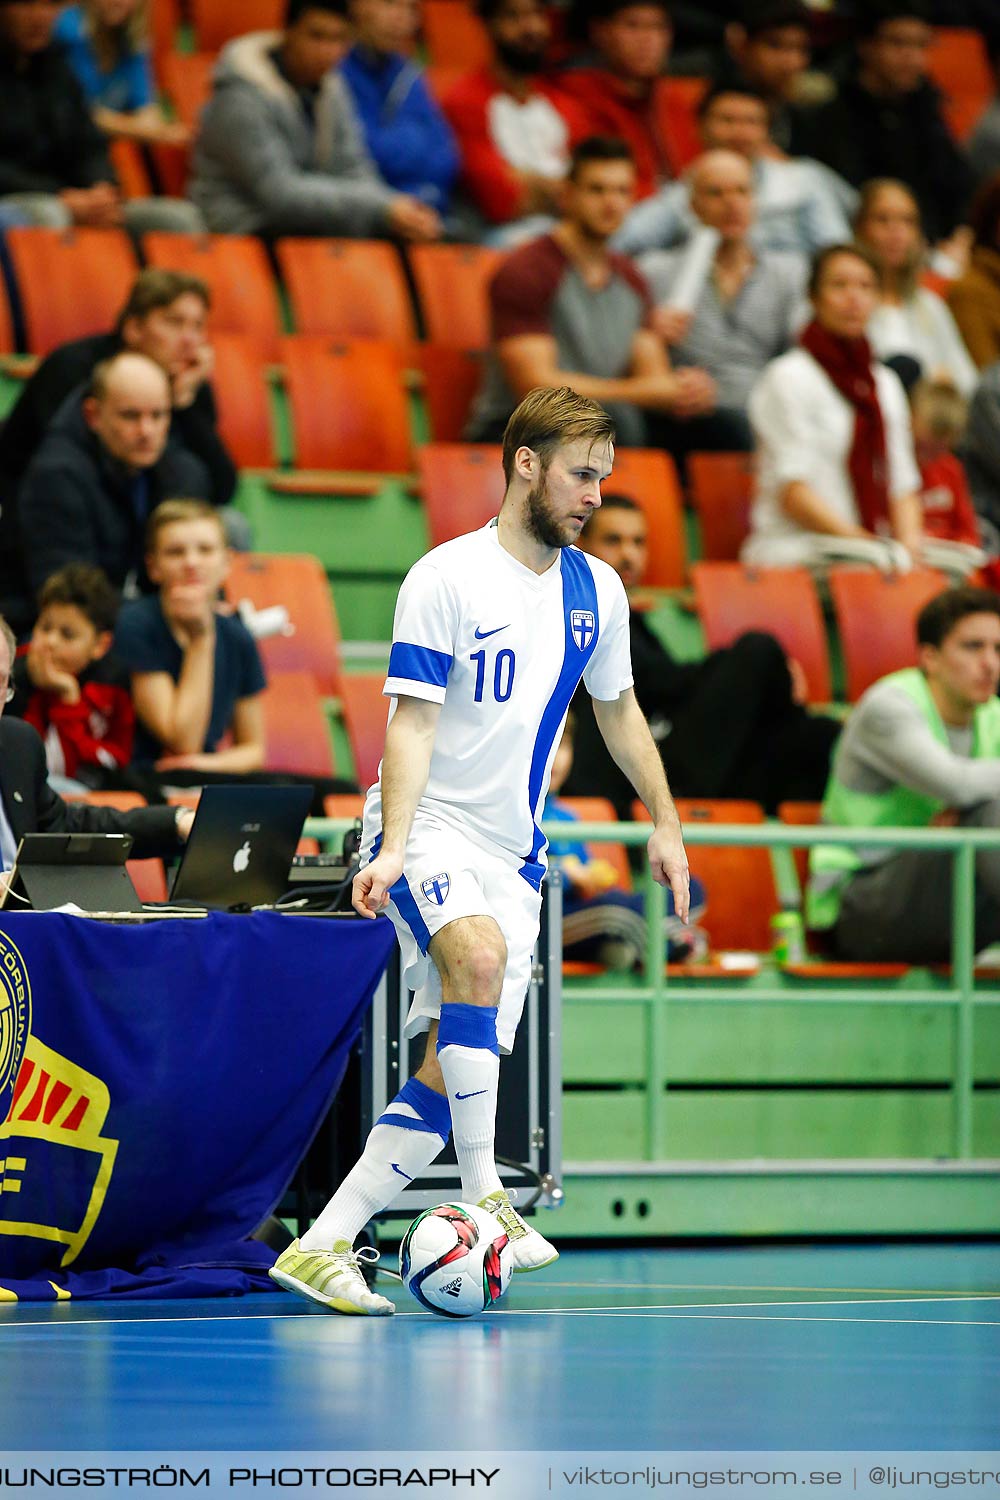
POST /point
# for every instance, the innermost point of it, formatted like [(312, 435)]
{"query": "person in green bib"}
[(922, 746)]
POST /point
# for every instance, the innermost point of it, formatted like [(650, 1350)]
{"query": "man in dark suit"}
[(29, 805)]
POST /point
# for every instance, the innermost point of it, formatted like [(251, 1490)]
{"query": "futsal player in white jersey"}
[(492, 634)]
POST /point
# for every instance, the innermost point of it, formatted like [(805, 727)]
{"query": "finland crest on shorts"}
[(436, 889), (582, 624)]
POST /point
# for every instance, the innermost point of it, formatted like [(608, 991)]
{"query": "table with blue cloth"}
[(159, 1084)]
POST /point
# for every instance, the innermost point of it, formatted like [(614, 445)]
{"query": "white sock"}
[(395, 1153), (470, 1063)]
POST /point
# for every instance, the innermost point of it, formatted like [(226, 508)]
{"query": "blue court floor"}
[(747, 1348)]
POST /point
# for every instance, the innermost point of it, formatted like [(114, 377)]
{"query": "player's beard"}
[(541, 521)]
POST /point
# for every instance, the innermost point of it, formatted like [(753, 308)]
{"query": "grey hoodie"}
[(262, 166)]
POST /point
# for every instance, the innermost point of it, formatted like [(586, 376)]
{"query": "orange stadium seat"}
[(650, 477), (6, 322), (740, 894), (876, 620), (452, 284), (218, 21), (958, 63), (296, 735), (347, 289), (71, 282), (721, 486), (365, 713), (344, 804), (800, 815), (451, 381), (243, 402), (600, 810), (164, 19), (236, 269), (300, 584), (462, 487), (130, 169), (732, 599), (454, 35), (187, 82), (349, 408)]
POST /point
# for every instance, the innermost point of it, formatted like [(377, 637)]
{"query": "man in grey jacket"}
[(280, 151)]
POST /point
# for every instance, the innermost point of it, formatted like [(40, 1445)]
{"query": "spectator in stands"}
[(164, 318), (984, 145), (952, 540), (104, 464), (625, 94), (567, 310), (981, 454), (974, 298), (513, 127), (836, 472), (741, 309), (910, 318), (602, 921), (772, 748), (768, 48), (106, 43), (54, 164), (70, 689), (886, 119), (797, 209), (29, 805), (196, 674), (279, 148), (922, 746), (406, 133)]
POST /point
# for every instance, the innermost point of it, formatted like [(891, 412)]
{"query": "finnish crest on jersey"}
[(436, 888), (583, 625)]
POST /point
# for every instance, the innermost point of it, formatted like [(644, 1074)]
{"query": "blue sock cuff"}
[(432, 1108), (468, 1026)]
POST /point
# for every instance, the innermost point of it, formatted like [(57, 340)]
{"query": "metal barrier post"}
[(963, 948)]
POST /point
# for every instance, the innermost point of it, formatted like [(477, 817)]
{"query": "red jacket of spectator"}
[(501, 135), (98, 730), (944, 494), (648, 125)]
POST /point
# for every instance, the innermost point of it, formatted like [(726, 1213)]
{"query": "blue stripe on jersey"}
[(408, 909), (419, 663), (579, 592)]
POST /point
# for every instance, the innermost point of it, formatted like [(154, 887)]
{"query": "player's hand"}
[(197, 760), (370, 892), (412, 220), (671, 323), (49, 678), (695, 393), (668, 862)]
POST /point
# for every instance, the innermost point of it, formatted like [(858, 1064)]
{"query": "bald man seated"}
[(724, 304), (103, 466)]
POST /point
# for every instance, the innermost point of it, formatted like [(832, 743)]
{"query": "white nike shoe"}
[(531, 1250), (332, 1277)]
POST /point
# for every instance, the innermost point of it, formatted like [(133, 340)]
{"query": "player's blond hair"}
[(548, 418), (169, 512)]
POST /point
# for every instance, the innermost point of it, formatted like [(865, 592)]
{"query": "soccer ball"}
[(456, 1260)]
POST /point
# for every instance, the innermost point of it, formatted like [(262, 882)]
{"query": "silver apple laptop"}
[(240, 848)]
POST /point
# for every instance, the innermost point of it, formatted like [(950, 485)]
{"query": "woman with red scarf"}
[(836, 478)]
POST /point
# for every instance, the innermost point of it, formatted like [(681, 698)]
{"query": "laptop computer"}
[(240, 848), (86, 870)]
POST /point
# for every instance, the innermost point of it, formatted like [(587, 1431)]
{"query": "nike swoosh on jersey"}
[(397, 1168), (482, 634), (473, 1095)]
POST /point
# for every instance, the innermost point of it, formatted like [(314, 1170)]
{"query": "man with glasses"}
[(29, 805)]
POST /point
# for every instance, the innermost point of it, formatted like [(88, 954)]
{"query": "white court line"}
[(667, 1309)]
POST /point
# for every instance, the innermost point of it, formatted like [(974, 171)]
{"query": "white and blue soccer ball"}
[(456, 1260)]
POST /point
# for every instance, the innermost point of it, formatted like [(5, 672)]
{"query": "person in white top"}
[(910, 318), (836, 474), (493, 633)]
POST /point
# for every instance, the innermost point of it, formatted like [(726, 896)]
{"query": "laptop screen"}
[(240, 848)]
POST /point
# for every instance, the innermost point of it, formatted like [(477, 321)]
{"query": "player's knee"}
[(484, 966)]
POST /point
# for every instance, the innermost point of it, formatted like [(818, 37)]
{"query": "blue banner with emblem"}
[(159, 1084)]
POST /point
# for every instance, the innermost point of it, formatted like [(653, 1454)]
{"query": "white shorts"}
[(447, 876)]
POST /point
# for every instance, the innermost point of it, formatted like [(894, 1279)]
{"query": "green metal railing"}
[(658, 989)]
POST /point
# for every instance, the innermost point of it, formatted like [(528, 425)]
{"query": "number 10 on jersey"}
[(503, 674)]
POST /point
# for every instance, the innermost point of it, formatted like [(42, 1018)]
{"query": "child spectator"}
[(68, 686), (603, 923), (196, 675), (951, 531)]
